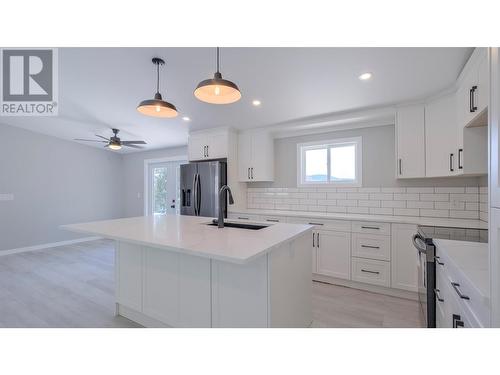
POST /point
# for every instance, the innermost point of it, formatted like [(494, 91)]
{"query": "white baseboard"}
[(47, 245), (406, 294)]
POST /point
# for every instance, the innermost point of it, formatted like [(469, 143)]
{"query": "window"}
[(334, 163)]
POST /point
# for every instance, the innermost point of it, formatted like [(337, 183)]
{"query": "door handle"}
[(438, 297), (368, 271), (473, 104), (194, 193), (199, 193), (456, 287), (451, 163)]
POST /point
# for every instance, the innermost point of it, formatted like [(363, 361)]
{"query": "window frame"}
[(358, 160)]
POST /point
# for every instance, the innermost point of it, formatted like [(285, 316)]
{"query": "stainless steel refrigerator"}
[(199, 188)]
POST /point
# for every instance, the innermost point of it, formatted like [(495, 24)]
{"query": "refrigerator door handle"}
[(195, 193), (198, 195)]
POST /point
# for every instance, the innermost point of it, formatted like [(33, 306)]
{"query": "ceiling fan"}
[(114, 142)]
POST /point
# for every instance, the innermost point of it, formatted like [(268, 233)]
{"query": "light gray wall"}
[(54, 182), (378, 160), (133, 172)]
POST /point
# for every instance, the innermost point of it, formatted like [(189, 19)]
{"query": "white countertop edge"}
[(69, 227), (416, 220)]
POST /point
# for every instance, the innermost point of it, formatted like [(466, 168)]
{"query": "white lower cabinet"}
[(370, 271), (333, 253), (403, 257)]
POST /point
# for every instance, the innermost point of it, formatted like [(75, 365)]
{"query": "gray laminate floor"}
[(73, 286)]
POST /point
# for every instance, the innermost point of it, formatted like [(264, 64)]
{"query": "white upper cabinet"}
[(441, 137), (410, 142), (255, 156), (208, 145)]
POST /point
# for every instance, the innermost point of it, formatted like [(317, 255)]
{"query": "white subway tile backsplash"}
[(393, 204), (419, 204), (393, 190), (368, 203), (336, 196), (382, 196), (455, 202), (381, 211), (347, 202), (358, 196), (434, 197), (449, 190), (338, 209), (406, 197), (316, 195), (358, 210), (470, 197), (406, 211), (420, 190)]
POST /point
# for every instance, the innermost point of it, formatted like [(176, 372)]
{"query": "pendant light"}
[(217, 90), (157, 107)]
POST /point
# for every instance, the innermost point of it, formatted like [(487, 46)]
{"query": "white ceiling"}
[(99, 88)]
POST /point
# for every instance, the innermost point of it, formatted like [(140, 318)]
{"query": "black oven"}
[(426, 252)]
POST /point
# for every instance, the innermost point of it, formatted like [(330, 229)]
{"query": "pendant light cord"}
[(157, 77), (217, 59)]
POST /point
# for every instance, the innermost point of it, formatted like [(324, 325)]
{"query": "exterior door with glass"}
[(163, 194)]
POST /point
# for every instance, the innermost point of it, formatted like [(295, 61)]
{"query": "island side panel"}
[(290, 284), (240, 294), (128, 275)]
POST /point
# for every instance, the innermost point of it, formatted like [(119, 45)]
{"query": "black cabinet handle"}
[(470, 101), (473, 107), (273, 220), (456, 286), (438, 297), (318, 239), (460, 157), (451, 163), (457, 322), (364, 227), (315, 223), (251, 172), (436, 258), (243, 218), (371, 247), (368, 271), (313, 240), (400, 166), (248, 173)]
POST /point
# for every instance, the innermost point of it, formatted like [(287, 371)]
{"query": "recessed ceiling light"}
[(256, 103), (185, 118), (365, 76)]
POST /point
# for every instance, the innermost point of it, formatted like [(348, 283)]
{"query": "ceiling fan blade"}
[(133, 142), (89, 140), (133, 146), (100, 136)]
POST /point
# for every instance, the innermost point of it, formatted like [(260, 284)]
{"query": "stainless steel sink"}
[(230, 224)]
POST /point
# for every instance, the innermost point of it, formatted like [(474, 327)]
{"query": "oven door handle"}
[(417, 242)]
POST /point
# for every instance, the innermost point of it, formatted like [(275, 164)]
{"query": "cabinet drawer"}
[(371, 227), (371, 246), (377, 272), (236, 216), (324, 224)]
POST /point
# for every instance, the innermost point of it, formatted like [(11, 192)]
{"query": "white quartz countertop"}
[(191, 235), (471, 260), (417, 220)]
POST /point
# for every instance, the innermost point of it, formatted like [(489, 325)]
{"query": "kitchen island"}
[(179, 271)]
